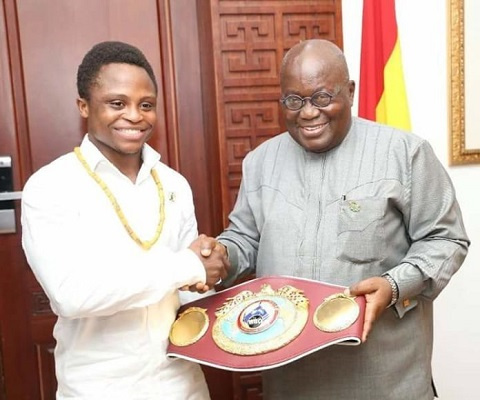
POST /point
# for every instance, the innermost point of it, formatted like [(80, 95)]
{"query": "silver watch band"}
[(394, 287)]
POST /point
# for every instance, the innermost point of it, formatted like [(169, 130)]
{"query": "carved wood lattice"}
[(250, 39)]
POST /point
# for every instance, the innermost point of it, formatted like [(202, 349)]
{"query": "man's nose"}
[(133, 114), (309, 110)]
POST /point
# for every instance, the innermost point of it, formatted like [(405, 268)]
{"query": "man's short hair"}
[(107, 53)]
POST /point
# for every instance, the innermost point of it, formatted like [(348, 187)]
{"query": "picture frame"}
[(462, 134)]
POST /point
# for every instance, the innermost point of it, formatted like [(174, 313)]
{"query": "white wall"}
[(422, 28)]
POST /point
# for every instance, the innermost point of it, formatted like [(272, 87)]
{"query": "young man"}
[(110, 233)]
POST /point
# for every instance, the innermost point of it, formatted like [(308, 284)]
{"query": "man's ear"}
[(351, 91), (82, 105)]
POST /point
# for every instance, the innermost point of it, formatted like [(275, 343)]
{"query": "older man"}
[(355, 203)]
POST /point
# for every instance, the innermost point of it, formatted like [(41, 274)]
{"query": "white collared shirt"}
[(115, 301)]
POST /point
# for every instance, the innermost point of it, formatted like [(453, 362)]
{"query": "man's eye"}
[(321, 96), (147, 106), (321, 99), (293, 101), (116, 104)]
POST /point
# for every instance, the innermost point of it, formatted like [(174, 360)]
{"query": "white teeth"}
[(313, 128), (130, 131)]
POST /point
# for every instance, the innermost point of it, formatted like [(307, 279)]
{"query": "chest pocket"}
[(360, 234)]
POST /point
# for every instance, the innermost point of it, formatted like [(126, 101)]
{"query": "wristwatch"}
[(394, 287)]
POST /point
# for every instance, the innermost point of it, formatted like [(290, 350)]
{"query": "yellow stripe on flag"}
[(382, 94), (392, 109)]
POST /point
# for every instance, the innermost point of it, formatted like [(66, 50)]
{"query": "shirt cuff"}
[(188, 269), (233, 258), (409, 280)]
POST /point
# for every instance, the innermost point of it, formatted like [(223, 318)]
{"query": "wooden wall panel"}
[(50, 61), (196, 146), (250, 39), (46, 368), (248, 386)]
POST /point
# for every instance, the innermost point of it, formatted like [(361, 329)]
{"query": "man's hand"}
[(214, 258), (378, 294)]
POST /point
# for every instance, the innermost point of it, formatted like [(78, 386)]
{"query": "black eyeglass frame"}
[(326, 95)]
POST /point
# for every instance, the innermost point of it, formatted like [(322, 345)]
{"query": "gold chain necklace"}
[(144, 244)]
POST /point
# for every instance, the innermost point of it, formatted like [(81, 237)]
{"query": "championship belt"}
[(265, 323)]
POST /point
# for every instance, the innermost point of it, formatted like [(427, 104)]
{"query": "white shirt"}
[(115, 301)]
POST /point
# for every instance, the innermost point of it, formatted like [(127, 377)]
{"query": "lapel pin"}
[(354, 206)]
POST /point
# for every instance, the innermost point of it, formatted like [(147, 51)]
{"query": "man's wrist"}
[(225, 248), (394, 288)]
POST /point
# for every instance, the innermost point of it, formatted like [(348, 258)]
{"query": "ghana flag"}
[(382, 87)]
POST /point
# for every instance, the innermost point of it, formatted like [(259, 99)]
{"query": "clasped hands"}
[(214, 258)]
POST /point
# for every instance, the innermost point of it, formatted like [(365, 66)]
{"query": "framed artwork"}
[(464, 81)]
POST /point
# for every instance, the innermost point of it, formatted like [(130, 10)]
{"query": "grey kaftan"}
[(294, 216)]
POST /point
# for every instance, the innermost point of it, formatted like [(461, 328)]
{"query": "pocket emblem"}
[(354, 206)]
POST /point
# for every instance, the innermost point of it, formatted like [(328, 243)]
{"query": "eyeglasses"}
[(319, 99)]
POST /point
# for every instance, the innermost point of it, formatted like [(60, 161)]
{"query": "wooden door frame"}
[(12, 283), (194, 148)]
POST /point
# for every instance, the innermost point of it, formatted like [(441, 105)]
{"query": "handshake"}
[(214, 257)]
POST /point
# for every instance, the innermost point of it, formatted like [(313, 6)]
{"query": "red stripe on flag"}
[(379, 34)]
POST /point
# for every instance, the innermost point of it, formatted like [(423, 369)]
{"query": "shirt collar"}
[(94, 158)]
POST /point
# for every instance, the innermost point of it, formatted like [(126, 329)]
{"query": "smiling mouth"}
[(131, 133), (313, 130)]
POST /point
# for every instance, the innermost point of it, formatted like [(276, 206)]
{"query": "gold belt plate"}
[(256, 323)]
